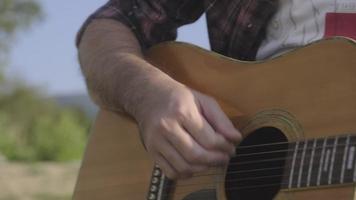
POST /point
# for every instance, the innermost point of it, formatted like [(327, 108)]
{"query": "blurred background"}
[(45, 112)]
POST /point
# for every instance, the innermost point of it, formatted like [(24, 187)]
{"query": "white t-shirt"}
[(300, 22)]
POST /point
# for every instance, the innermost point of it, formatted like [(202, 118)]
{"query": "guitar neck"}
[(320, 162)]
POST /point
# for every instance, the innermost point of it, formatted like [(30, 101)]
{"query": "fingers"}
[(188, 134), (205, 135), (178, 163), (173, 163), (194, 153), (218, 120)]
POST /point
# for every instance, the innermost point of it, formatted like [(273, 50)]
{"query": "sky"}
[(45, 55)]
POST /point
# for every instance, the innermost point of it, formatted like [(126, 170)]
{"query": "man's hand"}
[(183, 130), (186, 131)]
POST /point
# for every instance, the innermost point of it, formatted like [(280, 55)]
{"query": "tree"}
[(32, 126), (16, 15), (35, 128)]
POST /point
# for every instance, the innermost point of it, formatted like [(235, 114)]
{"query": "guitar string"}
[(259, 169), (284, 150), (262, 169), (239, 171), (244, 179), (236, 180), (228, 180), (280, 151), (302, 183), (236, 163), (249, 178), (280, 184), (289, 142), (272, 144), (289, 150)]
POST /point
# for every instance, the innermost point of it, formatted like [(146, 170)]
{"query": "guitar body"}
[(308, 93)]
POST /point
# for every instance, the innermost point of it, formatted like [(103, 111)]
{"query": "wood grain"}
[(316, 85)]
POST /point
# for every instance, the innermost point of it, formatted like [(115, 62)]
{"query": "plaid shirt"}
[(236, 27)]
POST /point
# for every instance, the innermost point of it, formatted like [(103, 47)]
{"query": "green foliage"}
[(16, 15), (59, 137), (33, 128)]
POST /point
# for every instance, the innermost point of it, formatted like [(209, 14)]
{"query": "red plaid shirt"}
[(236, 27)]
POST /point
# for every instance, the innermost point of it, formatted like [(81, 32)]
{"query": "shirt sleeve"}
[(152, 21)]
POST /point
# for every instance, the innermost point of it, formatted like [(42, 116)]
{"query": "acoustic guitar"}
[(297, 113)]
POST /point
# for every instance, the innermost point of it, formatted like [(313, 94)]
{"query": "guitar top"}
[(297, 114)]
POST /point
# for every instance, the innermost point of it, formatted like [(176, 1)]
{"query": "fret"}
[(350, 158), (327, 159), (311, 162), (298, 164), (344, 156), (339, 145), (332, 161), (288, 166), (316, 162), (321, 162), (354, 178), (302, 164), (324, 180), (352, 152), (293, 164)]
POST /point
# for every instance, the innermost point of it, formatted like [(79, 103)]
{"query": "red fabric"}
[(340, 24)]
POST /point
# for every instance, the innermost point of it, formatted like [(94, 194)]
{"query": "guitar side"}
[(115, 165)]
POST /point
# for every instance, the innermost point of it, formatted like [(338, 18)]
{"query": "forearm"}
[(115, 71), (183, 130)]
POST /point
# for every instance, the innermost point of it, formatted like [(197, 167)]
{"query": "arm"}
[(177, 135), (117, 76)]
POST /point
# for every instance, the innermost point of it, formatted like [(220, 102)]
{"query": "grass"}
[(49, 196), (37, 181)]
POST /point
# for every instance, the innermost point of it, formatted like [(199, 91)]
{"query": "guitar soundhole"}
[(256, 172)]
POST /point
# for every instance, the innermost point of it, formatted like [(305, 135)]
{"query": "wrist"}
[(153, 96)]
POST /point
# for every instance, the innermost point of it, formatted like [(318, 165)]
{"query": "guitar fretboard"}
[(319, 162)]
